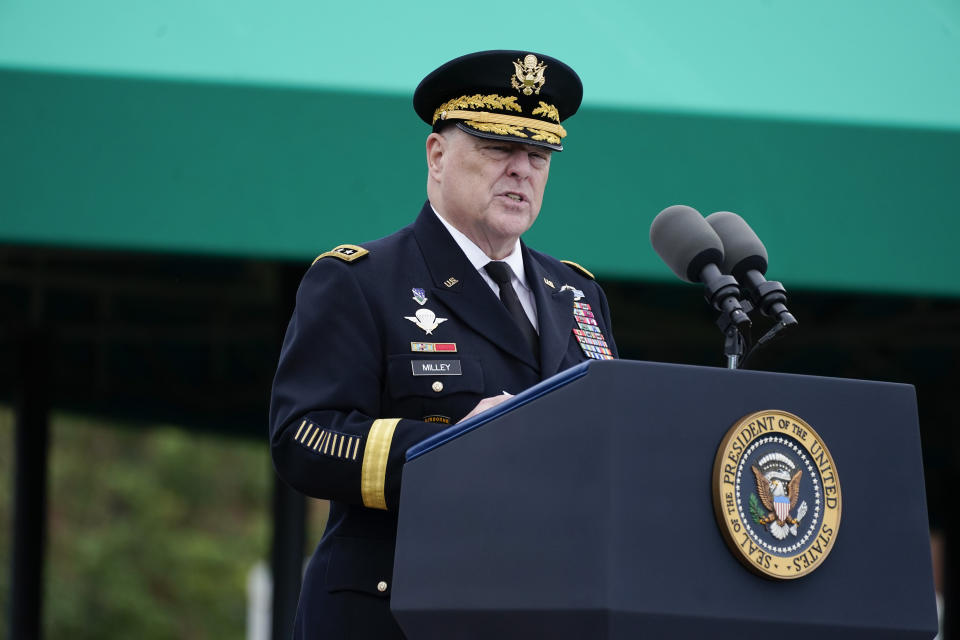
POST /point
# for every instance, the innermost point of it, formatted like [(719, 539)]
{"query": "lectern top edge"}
[(522, 398)]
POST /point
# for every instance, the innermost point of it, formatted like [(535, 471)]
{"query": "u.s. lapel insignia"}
[(588, 333), (449, 282), (577, 294), (426, 320), (549, 283), (419, 296)]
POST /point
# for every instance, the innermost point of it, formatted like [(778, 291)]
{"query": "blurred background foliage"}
[(151, 532)]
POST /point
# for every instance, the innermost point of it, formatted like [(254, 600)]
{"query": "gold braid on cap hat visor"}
[(503, 119)]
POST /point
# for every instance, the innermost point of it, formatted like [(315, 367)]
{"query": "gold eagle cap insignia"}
[(528, 75)]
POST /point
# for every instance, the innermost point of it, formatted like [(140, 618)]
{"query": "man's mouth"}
[(515, 196)]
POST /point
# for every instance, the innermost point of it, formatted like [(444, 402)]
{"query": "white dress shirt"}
[(518, 278)]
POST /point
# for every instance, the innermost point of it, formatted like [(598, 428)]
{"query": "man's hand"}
[(487, 403)]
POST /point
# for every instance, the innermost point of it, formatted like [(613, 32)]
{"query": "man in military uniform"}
[(395, 339)]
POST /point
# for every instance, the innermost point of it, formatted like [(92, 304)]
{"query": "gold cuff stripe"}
[(502, 118), (373, 473), (326, 442), (306, 433)]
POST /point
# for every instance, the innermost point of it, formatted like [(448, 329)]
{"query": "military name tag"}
[(776, 494), (436, 367)]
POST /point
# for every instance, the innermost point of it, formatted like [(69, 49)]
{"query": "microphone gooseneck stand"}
[(737, 346), (723, 294), (736, 337)]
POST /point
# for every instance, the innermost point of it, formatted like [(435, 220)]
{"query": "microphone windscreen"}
[(742, 249), (685, 242)]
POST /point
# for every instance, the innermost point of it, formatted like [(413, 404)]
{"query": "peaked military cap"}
[(517, 96)]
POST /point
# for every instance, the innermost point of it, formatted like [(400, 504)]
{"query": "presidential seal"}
[(776, 494)]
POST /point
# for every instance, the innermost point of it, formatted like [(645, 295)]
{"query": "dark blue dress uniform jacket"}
[(346, 405)]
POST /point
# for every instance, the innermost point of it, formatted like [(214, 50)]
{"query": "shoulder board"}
[(577, 267), (346, 252)]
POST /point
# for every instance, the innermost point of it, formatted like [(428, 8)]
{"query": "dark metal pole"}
[(30, 487), (951, 561), (289, 506), (289, 531)]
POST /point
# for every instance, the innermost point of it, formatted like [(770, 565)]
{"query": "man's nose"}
[(519, 165)]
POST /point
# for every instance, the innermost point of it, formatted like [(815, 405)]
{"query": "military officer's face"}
[(490, 190)]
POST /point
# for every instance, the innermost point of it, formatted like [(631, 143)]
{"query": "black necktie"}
[(500, 272)]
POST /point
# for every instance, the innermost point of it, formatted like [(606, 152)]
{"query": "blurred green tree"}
[(151, 530)]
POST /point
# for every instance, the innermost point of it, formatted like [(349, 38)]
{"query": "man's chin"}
[(512, 223)]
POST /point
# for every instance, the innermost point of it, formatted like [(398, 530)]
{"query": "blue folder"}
[(456, 430)]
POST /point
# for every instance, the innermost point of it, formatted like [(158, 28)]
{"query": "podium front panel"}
[(587, 512)]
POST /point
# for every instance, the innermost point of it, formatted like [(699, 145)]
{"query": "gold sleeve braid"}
[(373, 473)]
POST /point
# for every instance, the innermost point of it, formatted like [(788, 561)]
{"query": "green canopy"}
[(282, 129)]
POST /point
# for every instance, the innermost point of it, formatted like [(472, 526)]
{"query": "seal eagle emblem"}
[(776, 495), (528, 75), (779, 491)]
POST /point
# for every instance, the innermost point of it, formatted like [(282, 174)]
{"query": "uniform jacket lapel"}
[(554, 311), (461, 288)]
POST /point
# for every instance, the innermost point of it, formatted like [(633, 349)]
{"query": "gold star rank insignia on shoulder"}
[(346, 252)]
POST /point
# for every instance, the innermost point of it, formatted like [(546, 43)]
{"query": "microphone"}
[(694, 251), (745, 258)]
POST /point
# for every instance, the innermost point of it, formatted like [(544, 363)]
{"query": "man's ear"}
[(436, 148)]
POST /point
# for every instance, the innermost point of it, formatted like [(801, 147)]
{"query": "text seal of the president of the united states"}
[(776, 494)]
